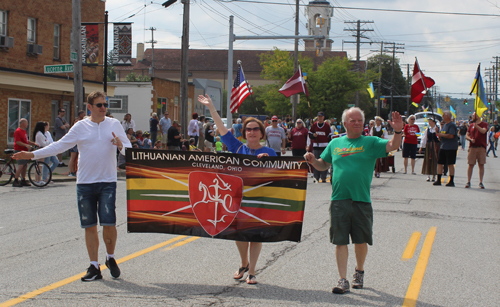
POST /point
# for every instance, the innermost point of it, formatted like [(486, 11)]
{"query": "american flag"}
[(240, 91)]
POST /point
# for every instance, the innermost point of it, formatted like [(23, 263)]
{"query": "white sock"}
[(95, 263), (109, 256)]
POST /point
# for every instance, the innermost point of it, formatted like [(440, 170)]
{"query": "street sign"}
[(54, 69), (350, 105), (72, 57)]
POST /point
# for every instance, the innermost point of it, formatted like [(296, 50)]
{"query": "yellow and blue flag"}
[(370, 90), (415, 104), (453, 112), (478, 89), (439, 110)]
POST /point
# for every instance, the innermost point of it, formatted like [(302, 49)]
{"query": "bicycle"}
[(35, 171)]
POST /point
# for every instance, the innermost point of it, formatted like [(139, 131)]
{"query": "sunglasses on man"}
[(99, 105)]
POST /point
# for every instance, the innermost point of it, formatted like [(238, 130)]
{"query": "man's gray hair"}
[(238, 121), (446, 113), (344, 114)]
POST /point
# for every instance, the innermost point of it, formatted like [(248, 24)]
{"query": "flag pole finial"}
[(239, 62)]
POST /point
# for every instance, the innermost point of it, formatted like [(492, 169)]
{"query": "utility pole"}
[(379, 105), (408, 85), (184, 67), (105, 81), (394, 48), (495, 90), (77, 47), (359, 35), (295, 98), (153, 42)]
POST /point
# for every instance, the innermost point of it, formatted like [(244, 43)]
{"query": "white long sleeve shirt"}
[(41, 139), (97, 154)]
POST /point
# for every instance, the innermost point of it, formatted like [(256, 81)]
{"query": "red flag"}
[(419, 84), (295, 85), (240, 91)]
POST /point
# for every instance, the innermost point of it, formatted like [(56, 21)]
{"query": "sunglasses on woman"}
[(248, 129)]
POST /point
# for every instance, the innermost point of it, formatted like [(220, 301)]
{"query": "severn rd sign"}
[(54, 69)]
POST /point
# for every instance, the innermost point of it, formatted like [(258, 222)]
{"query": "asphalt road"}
[(42, 245)]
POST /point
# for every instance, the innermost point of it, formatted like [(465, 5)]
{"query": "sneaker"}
[(450, 184), (357, 282), (72, 174), (437, 182), (481, 185), (428, 178), (342, 286), (93, 273), (113, 267), (413, 173), (467, 185), (62, 164), (17, 184), (25, 183)]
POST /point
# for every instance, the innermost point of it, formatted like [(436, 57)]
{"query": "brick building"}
[(208, 64), (34, 33)]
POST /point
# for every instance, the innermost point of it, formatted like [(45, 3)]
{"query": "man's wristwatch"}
[(398, 132)]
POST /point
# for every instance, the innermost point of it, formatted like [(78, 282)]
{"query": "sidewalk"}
[(60, 174)]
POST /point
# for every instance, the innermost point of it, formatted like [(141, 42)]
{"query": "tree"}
[(400, 87), (278, 65), (111, 68), (132, 77), (333, 86)]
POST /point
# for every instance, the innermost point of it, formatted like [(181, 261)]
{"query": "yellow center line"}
[(418, 274), (180, 243), (411, 246), (71, 279)]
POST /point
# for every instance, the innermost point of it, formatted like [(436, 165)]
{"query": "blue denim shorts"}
[(96, 199)]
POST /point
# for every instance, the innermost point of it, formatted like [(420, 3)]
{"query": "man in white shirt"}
[(97, 138)]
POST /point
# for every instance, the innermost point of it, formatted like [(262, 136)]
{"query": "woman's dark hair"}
[(195, 115), (253, 119), (40, 126)]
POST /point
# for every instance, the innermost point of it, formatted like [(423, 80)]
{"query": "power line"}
[(374, 9)]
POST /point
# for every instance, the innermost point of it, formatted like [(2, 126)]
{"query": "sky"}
[(448, 47)]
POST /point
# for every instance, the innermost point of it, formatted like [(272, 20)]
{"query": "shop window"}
[(18, 109)]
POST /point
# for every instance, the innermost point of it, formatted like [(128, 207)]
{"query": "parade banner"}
[(224, 196), (122, 44), (90, 43)]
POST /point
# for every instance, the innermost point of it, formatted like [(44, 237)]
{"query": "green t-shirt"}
[(353, 163), (218, 146)]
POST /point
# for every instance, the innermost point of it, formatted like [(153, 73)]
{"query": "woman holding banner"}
[(253, 131)]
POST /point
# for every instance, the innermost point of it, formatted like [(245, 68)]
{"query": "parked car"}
[(422, 126)]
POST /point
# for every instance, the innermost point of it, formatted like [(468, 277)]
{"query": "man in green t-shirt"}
[(353, 158)]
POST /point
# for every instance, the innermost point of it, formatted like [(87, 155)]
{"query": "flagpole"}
[(249, 89), (475, 86)]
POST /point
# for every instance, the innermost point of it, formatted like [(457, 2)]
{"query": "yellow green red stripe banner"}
[(225, 196)]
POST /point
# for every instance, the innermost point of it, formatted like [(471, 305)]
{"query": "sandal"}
[(251, 280), (241, 271)]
